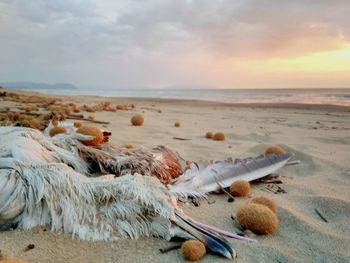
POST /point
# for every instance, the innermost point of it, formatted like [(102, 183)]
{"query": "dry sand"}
[(319, 136)]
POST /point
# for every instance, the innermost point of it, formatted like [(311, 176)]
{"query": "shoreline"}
[(191, 102)]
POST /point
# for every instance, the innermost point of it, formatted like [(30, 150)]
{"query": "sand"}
[(319, 136)]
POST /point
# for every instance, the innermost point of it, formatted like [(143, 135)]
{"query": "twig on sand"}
[(231, 199), (180, 139), (318, 212), (170, 248), (294, 162), (84, 119)]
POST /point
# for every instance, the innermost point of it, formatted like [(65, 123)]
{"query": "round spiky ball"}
[(209, 135), (129, 146), (137, 120), (257, 218), (77, 124), (219, 136), (91, 131), (193, 250), (56, 130), (274, 150), (177, 124), (240, 188), (268, 202)]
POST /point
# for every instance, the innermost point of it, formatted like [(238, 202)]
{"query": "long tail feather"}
[(214, 242), (200, 179)]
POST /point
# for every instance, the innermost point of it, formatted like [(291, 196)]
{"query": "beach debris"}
[(170, 248), (257, 218), (129, 146), (222, 190), (268, 202), (294, 162), (318, 212), (209, 135), (77, 124), (201, 178), (137, 120), (193, 250), (91, 117), (57, 130), (274, 188), (269, 179), (219, 136), (29, 247), (91, 131), (274, 150), (240, 188), (177, 124), (181, 139)]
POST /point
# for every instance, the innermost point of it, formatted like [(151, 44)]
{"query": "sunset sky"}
[(168, 43)]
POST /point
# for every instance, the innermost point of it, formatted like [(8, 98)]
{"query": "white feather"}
[(200, 179)]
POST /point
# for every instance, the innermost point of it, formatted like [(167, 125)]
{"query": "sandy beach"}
[(317, 135)]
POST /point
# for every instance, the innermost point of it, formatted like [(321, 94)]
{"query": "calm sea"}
[(312, 96)]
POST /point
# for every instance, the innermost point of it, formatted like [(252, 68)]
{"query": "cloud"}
[(158, 42)]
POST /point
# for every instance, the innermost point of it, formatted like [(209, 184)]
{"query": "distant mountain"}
[(190, 87), (34, 85)]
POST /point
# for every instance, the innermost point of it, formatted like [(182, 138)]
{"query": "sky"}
[(166, 43)]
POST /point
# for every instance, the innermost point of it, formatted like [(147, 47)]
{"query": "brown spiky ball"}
[(77, 124), (129, 146), (268, 202), (219, 136), (56, 130), (137, 120), (257, 218), (91, 131), (240, 188), (193, 250), (274, 150), (177, 124), (209, 135)]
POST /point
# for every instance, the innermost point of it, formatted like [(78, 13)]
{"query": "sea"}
[(332, 96)]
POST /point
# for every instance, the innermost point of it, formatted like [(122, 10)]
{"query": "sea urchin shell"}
[(219, 136), (257, 218), (274, 150), (56, 130), (268, 202), (240, 188), (91, 131), (137, 120), (209, 135), (193, 250)]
